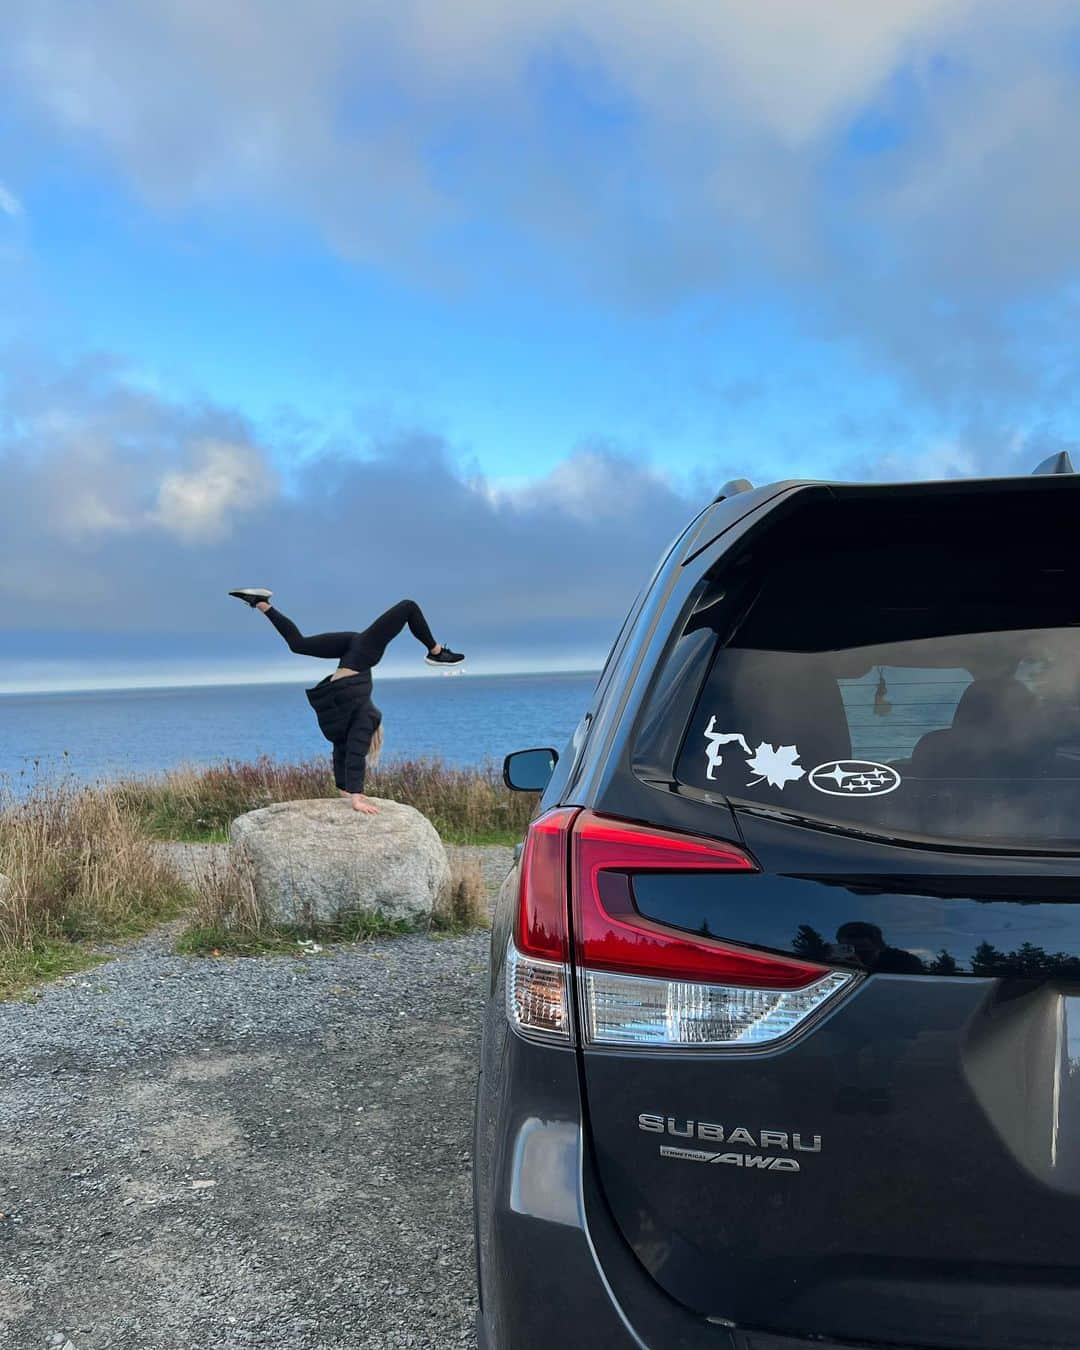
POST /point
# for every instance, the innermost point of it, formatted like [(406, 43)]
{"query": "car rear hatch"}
[(831, 1024)]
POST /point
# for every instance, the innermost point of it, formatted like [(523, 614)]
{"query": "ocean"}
[(462, 719)]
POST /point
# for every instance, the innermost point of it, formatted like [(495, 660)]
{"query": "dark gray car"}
[(783, 1037)]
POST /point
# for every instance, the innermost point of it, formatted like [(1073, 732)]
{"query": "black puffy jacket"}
[(347, 718)]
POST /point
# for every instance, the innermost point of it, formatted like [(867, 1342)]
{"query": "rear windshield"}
[(901, 665)]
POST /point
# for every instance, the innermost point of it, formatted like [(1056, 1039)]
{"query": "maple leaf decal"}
[(775, 764)]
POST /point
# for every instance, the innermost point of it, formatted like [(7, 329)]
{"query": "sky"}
[(478, 304)]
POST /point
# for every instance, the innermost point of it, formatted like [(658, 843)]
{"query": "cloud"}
[(198, 503), (287, 95), (897, 170), (92, 455), (385, 123), (127, 516), (9, 203), (590, 485), (126, 512)]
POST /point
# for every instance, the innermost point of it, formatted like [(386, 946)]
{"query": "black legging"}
[(357, 651)]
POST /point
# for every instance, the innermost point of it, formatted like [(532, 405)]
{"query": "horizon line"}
[(153, 686)]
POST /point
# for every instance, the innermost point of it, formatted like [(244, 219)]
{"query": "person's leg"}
[(327, 645), (373, 641)]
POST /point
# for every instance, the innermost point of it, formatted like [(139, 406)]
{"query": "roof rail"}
[(736, 485), (1059, 463)]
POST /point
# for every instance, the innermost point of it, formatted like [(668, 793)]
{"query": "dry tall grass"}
[(464, 805), (80, 864), (464, 904), (227, 916), (227, 912), (201, 803), (77, 867)]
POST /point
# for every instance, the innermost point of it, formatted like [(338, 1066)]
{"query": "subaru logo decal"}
[(854, 778)]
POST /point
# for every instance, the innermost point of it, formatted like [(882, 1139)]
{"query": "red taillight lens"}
[(642, 984), (611, 935), (541, 928)]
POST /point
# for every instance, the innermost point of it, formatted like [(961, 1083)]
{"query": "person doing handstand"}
[(342, 702)]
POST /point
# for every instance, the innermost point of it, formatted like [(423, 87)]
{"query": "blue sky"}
[(513, 376), (478, 303)]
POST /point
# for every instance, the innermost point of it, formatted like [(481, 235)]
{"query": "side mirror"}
[(529, 770)]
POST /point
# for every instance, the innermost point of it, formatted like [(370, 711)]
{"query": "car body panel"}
[(940, 1205)]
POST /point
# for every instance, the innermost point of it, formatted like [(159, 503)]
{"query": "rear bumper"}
[(555, 1271), (553, 1268), (541, 1282), (739, 1340), (758, 1340)]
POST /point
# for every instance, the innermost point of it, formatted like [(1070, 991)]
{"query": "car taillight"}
[(641, 983), (644, 984), (542, 926), (537, 962)]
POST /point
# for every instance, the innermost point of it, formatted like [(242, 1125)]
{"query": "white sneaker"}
[(253, 595)]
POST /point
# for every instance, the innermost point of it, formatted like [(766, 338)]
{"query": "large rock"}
[(318, 861)]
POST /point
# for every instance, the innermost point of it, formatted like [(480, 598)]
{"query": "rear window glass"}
[(900, 666)]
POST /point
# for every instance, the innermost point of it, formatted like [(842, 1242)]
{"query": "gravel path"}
[(268, 1153)]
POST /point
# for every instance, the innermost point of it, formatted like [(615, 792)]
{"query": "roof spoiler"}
[(1059, 463), (736, 485)]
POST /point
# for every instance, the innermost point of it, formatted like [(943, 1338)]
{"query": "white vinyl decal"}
[(714, 740), (775, 765), (854, 778)]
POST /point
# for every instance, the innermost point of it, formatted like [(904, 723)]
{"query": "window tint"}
[(890, 708), (900, 668)]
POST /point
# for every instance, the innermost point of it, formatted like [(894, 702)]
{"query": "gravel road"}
[(266, 1153)]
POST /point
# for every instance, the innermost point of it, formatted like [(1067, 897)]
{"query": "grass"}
[(23, 968), (223, 939), (466, 806), (462, 906), (78, 871), (227, 919), (79, 866)]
